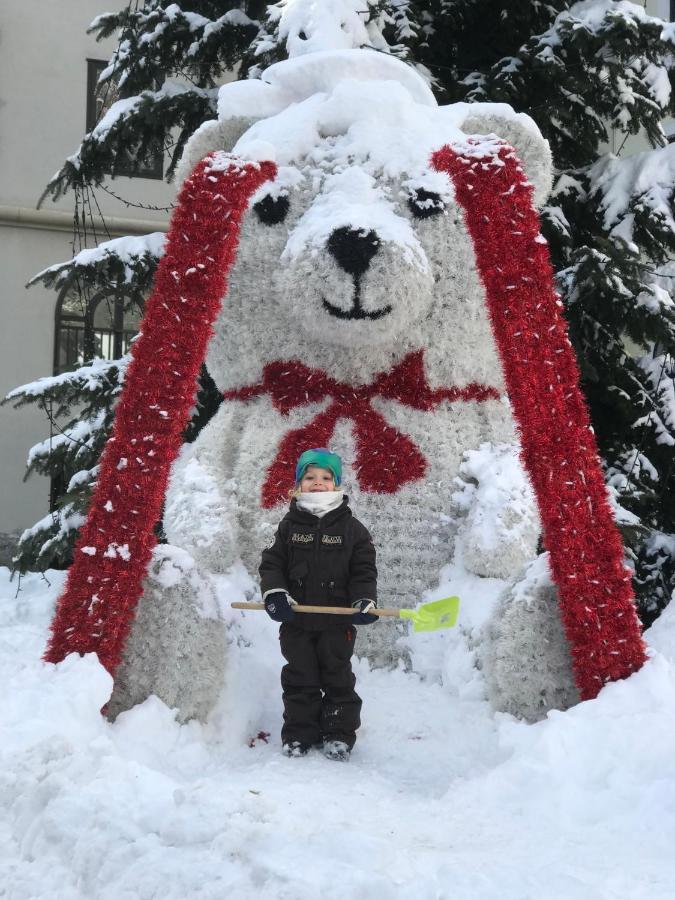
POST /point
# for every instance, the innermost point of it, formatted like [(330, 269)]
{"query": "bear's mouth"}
[(356, 311)]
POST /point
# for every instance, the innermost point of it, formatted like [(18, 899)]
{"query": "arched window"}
[(102, 325)]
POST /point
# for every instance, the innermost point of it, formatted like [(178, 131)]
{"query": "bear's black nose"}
[(353, 248)]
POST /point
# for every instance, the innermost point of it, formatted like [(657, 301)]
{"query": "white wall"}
[(43, 81), (43, 78), (660, 8)]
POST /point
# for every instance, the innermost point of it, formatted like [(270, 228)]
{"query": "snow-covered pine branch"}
[(75, 444), (48, 543), (130, 260), (172, 39), (139, 125), (85, 399), (95, 384), (635, 197), (601, 65)]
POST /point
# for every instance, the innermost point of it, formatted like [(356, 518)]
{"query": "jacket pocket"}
[(297, 576), (337, 593)]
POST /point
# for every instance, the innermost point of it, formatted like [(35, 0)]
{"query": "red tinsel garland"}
[(558, 445), (113, 552), (386, 459)]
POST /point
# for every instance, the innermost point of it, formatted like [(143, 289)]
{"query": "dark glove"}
[(361, 615), (279, 606)]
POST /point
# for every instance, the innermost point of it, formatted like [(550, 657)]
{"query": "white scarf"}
[(318, 503)]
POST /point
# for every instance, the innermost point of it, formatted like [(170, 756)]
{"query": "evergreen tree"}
[(587, 74), (84, 401)]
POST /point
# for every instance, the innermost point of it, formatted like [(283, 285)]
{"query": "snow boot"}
[(295, 748), (337, 750)]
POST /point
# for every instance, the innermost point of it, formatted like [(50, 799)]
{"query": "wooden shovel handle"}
[(337, 610)]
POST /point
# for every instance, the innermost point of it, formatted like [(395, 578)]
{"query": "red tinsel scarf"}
[(113, 552), (558, 445)]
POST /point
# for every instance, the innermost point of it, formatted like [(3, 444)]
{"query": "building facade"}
[(48, 69)]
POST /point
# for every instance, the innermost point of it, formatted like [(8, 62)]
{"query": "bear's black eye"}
[(423, 204), (272, 210)]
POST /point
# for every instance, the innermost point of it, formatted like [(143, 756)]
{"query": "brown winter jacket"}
[(323, 562)]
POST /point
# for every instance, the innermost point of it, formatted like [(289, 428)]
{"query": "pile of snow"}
[(307, 26), (374, 110), (501, 529), (441, 798)]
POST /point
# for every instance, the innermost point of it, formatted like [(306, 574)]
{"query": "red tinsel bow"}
[(386, 459)]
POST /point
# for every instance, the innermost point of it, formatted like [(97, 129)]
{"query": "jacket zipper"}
[(330, 585), (318, 545)]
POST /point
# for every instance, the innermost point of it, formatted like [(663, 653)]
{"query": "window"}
[(99, 100), (102, 326)]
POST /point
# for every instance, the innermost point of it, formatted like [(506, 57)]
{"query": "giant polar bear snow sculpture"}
[(390, 295)]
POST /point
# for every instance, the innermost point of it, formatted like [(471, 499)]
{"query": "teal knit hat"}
[(322, 457)]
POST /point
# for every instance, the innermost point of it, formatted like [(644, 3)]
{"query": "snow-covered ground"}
[(442, 798)]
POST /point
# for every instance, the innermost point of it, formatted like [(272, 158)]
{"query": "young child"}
[(321, 556)]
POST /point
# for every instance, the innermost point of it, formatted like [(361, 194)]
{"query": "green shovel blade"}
[(433, 616)]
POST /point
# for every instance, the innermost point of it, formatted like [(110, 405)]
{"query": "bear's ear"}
[(216, 134), (520, 131)]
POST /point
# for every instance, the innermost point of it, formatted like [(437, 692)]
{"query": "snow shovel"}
[(427, 617)]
